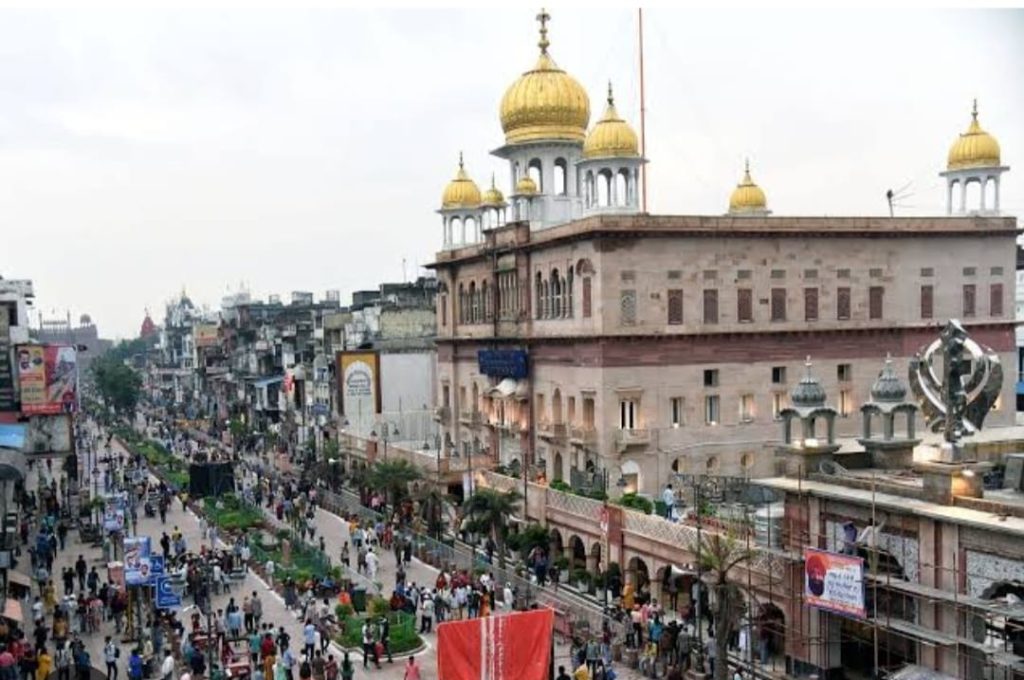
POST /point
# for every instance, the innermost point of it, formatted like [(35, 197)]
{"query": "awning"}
[(12, 610), (506, 388), (18, 578), (263, 382)]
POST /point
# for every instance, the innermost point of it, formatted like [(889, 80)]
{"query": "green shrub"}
[(581, 576), (403, 633), (559, 485), (635, 502)]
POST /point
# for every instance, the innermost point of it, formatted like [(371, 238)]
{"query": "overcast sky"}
[(140, 153)]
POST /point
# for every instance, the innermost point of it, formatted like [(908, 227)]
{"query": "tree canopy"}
[(488, 511), (118, 384)]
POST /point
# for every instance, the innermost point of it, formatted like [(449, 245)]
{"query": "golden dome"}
[(974, 148), (493, 198), (747, 196), (611, 135), (545, 102), (461, 192), (526, 186)]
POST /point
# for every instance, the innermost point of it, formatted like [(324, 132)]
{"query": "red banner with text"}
[(512, 647)]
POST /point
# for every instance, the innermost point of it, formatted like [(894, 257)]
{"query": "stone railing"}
[(500, 482), (574, 505), (583, 435), (657, 528)]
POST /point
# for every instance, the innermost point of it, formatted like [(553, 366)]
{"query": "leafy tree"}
[(432, 504), (533, 536), (394, 477), (119, 384), (718, 554), (488, 511)]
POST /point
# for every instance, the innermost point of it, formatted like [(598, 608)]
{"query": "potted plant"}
[(581, 577), (562, 567)]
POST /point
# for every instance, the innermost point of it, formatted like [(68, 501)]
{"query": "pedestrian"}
[(167, 667), (63, 662), (331, 668), (268, 569), (412, 669), (368, 646), (309, 638), (257, 609), (44, 664), (427, 615), (111, 652), (348, 669), (80, 569), (134, 665)]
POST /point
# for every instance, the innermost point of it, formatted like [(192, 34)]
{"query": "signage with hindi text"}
[(834, 582)]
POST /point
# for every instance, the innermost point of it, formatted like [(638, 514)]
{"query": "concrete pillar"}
[(910, 424), (997, 194), (888, 423), (866, 426), (963, 196), (984, 184), (949, 197)]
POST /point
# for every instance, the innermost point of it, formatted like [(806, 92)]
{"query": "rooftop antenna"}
[(893, 198)]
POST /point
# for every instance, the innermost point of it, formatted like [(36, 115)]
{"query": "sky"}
[(145, 152)]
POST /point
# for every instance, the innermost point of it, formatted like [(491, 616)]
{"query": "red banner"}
[(512, 647)]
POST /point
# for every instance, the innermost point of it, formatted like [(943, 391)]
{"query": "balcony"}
[(442, 414), (585, 435), (635, 437), (471, 418), (553, 432)]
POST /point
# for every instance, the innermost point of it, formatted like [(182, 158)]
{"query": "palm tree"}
[(488, 510), (718, 554), (394, 478), (432, 509)]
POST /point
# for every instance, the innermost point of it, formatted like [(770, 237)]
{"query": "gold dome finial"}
[(747, 197), (461, 192), (611, 136), (974, 148), (493, 198), (543, 18)]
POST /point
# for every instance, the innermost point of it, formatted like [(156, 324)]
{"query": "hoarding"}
[(137, 567), (48, 376), (359, 383), (512, 647), (7, 400), (12, 436), (503, 363), (205, 335), (48, 435), (834, 582)]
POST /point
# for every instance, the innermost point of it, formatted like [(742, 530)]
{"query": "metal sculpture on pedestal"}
[(956, 396)]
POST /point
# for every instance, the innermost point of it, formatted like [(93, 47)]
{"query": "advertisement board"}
[(359, 382), (137, 567), (48, 435), (12, 436), (513, 647), (503, 363), (834, 582), (113, 513), (7, 400), (48, 377), (205, 335)]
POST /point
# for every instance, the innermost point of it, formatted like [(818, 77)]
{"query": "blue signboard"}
[(12, 436), (165, 595), (502, 363), (320, 409), (156, 565)]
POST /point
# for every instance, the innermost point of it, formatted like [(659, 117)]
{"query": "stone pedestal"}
[(890, 454), (943, 481), (805, 459)]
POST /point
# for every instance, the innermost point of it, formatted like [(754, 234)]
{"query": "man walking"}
[(110, 654)]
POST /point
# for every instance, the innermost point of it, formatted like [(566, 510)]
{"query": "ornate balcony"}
[(636, 437), (585, 435), (442, 414), (553, 432), (472, 418)]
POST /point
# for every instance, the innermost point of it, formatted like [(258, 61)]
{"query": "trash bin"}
[(359, 598)]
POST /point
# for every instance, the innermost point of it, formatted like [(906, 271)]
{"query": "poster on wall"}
[(137, 567), (359, 383), (513, 647), (834, 582), (48, 376), (48, 435), (206, 335), (7, 400)]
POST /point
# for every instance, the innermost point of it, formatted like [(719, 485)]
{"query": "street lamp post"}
[(388, 430)]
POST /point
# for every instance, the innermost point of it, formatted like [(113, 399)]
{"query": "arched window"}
[(486, 303), (538, 289), (546, 302), (462, 304), (556, 295), (622, 193), (569, 308), (536, 175), (604, 188), (972, 195), (990, 193), (470, 229), (455, 227), (472, 302), (561, 177), (589, 189), (556, 407)]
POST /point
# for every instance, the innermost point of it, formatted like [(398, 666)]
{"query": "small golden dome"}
[(526, 186), (545, 102), (974, 148), (493, 198), (461, 192), (747, 196), (611, 136)]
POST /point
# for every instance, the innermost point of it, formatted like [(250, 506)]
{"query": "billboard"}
[(359, 382), (503, 363), (12, 436), (48, 435), (205, 335), (48, 376), (834, 582), (512, 647), (137, 567), (7, 400)]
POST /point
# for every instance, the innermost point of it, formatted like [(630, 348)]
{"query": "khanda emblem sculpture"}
[(957, 381)]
